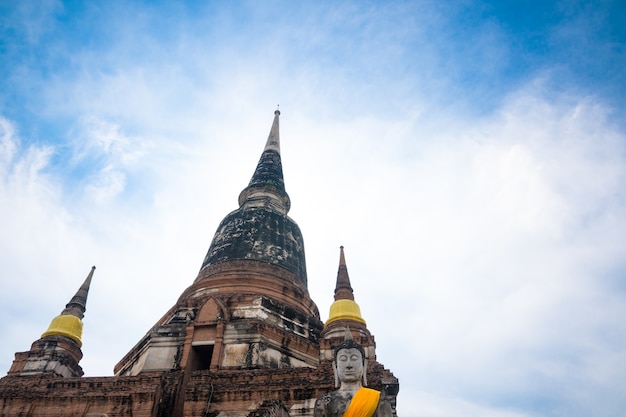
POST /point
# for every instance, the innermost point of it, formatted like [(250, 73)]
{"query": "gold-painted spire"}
[(69, 323), (344, 307)]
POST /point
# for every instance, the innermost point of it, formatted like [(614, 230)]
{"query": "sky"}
[(469, 155)]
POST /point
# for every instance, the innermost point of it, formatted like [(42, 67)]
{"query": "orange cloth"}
[(363, 404)]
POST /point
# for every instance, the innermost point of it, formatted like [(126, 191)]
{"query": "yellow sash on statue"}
[(363, 404)]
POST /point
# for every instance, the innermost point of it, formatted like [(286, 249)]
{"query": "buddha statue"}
[(351, 399)]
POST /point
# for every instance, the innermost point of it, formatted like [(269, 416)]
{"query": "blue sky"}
[(469, 155)]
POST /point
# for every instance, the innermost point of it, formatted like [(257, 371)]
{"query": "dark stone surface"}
[(260, 234), (269, 171)]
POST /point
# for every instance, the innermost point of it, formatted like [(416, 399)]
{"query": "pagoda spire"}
[(260, 229), (344, 307), (267, 186), (343, 289), (57, 352), (69, 323)]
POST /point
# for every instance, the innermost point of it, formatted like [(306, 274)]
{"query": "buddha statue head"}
[(349, 363)]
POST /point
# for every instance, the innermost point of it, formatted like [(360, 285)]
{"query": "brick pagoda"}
[(244, 339)]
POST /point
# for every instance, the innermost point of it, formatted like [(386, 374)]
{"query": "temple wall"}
[(224, 393), (36, 396)]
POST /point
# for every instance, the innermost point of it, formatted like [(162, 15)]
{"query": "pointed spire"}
[(78, 304), (344, 307), (343, 289), (267, 186), (69, 323)]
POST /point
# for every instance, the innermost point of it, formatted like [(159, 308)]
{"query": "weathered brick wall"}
[(37, 396), (204, 393), (212, 393), (270, 409)]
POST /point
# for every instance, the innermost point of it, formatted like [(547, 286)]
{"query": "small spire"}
[(344, 307), (69, 323), (343, 289)]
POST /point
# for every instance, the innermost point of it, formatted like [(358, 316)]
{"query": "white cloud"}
[(428, 404), (505, 239)]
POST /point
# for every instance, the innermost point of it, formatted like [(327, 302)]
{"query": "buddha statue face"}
[(349, 365)]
